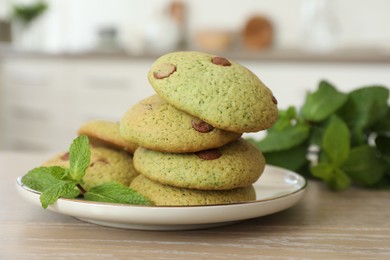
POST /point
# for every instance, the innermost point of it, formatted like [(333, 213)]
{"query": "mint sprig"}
[(115, 193), (79, 157), (339, 138), (55, 182), (53, 193), (41, 178)]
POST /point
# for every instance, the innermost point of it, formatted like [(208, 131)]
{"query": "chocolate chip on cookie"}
[(100, 160), (274, 100), (201, 126), (221, 61), (211, 154), (164, 71), (65, 157)]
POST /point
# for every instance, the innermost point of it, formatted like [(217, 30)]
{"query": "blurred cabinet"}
[(44, 101), (31, 103)]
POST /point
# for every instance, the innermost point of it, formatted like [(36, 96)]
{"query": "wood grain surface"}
[(354, 224)]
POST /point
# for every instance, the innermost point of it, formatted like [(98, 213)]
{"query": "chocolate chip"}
[(103, 160), (201, 126), (221, 61), (211, 154), (274, 100), (164, 70), (100, 160), (65, 157)]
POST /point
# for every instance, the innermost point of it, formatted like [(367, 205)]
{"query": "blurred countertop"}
[(269, 55), (353, 224)]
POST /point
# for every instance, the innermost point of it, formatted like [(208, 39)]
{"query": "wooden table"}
[(325, 224)]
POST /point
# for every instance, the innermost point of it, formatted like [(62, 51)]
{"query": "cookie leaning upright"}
[(106, 165), (106, 133), (220, 92)]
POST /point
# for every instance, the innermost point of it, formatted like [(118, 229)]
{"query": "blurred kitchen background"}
[(64, 62)]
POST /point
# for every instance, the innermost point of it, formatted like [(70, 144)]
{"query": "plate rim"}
[(170, 218), (109, 204)]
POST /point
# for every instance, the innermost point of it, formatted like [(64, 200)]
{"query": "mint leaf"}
[(79, 156), (55, 182), (386, 161), (317, 132), (364, 107), (114, 192), (41, 178), (336, 142), (288, 131), (322, 103), (383, 184), (329, 129), (382, 143), (323, 171), (54, 192), (383, 124), (340, 181), (291, 136), (292, 159), (285, 119), (363, 166), (334, 177)]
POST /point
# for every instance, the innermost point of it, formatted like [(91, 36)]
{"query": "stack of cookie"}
[(189, 134)]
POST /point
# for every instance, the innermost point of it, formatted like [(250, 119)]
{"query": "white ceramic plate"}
[(276, 190)]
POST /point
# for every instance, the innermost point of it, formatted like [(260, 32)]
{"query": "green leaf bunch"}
[(55, 182), (26, 13), (340, 138)]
